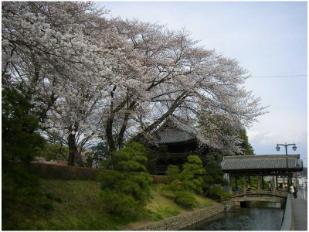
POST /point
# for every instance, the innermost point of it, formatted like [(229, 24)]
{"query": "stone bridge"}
[(259, 196)]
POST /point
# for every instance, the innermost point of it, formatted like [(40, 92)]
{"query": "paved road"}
[(300, 211)]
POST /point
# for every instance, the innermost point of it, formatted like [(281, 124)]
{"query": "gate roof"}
[(258, 163)]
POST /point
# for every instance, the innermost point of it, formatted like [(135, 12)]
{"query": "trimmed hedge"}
[(185, 199), (54, 171)]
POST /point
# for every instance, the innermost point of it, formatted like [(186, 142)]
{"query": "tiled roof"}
[(173, 135), (258, 162), (174, 131)]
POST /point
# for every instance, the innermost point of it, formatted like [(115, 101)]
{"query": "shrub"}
[(55, 171), (54, 152), (131, 158), (216, 192), (192, 174), (96, 155), (174, 186), (21, 190), (185, 199), (22, 197), (190, 178), (214, 174), (126, 188), (183, 184), (120, 203), (19, 132), (173, 172)]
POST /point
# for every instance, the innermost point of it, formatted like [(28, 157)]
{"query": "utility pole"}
[(286, 153)]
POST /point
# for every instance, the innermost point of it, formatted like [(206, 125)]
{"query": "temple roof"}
[(174, 131), (261, 162), (173, 135)]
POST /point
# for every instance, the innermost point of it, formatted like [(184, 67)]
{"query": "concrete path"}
[(300, 212)]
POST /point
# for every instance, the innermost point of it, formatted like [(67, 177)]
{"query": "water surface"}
[(246, 219)]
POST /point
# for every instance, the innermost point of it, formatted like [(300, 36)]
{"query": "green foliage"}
[(190, 178), (97, 154), (21, 190), (77, 206), (131, 158), (22, 196), (170, 189), (54, 152), (173, 172), (216, 192), (244, 182), (120, 203), (183, 184), (213, 174), (245, 145), (54, 171), (185, 199), (191, 175), (126, 188), (20, 139)]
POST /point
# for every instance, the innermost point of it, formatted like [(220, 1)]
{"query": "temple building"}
[(172, 143)]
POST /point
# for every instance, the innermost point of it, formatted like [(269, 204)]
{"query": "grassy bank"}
[(76, 205)]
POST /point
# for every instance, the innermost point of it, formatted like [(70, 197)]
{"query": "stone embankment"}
[(185, 220)]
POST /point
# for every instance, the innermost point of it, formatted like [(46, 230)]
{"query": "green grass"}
[(76, 205), (203, 202), (161, 206)]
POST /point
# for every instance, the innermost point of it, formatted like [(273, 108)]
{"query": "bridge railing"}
[(287, 220), (260, 192)]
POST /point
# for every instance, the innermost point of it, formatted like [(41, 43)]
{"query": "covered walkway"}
[(260, 166)]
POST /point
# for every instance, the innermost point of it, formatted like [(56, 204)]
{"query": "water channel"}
[(246, 219), (259, 216)]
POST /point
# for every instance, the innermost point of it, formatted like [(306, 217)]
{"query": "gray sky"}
[(269, 41)]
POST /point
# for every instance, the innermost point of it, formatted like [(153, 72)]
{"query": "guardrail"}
[(287, 220), (261, 192)]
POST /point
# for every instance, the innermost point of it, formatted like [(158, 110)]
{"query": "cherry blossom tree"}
[(177, 77), (89, 77), (51, 56)]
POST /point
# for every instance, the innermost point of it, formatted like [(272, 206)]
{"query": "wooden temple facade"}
[(172, 143)]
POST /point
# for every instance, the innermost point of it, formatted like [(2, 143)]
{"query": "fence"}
[(287, 220)]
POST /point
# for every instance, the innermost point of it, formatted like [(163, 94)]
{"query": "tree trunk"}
[(109, 125), (72, 149), (72, 144), (120, 139), (122, 130), (169, 112), (109, 134)]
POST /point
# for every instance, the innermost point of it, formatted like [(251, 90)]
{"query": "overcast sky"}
[(269, 41)]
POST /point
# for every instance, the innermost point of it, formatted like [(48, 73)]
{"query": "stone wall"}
[(185, 220)]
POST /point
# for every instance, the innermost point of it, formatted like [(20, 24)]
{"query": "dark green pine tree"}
[(246, 146), (19, 127)]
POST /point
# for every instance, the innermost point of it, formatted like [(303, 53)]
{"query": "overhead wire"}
[(278, 76)]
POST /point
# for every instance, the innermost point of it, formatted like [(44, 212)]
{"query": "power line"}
[(278, 76)]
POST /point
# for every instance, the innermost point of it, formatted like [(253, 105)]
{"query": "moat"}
[(267, 218)]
